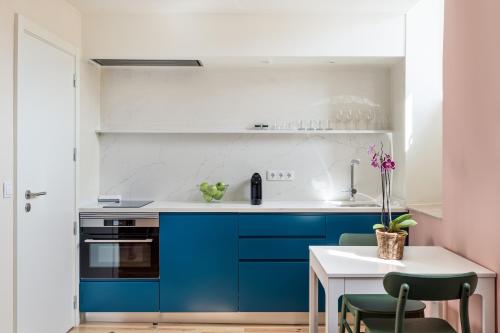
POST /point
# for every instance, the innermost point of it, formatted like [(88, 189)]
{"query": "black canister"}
[(256, 189)]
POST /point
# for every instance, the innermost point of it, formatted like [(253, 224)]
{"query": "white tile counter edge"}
[(238, 207), (433, 209)]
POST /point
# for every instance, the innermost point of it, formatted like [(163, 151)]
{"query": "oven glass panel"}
[(119, 252), (120, 255)]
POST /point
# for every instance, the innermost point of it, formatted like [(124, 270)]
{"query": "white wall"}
[(190, 35), (168, 167), (424, 102), (398, 100), (236, 97), (63, 20), (90, 93)]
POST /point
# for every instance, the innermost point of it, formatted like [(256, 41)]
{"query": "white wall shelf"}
[(242, 131)]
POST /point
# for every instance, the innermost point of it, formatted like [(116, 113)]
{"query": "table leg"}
[(333, 291), (313, 301), (486, 288)]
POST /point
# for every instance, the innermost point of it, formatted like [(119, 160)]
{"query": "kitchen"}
[(215, 146)]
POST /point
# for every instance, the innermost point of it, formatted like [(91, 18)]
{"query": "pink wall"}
[(471, 138)]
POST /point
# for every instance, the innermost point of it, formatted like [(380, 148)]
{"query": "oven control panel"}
[(119, 223)]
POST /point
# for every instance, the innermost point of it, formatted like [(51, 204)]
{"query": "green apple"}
[(218, 195), (221, 186), (212, 189), (204, 187), (207, 197)]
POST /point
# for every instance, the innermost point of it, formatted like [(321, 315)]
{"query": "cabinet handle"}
[(118, 240)]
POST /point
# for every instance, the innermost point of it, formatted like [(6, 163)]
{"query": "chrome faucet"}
[(352, 191)]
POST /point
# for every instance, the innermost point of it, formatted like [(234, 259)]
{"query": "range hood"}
[(145, 62)]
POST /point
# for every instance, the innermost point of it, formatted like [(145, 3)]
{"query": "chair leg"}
[(343, 316), (357, 322)]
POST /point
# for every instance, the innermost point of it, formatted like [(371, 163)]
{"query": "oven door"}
[(113, 256)]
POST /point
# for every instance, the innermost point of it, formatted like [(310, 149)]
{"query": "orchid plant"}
[(383, 161)]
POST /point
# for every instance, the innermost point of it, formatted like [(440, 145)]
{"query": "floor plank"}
[(187, 328)]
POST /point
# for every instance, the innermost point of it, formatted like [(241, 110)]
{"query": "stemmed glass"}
[(339, 118), (358, 116), (369, 116), (348, 116)]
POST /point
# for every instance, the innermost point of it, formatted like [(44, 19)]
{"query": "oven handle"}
[(149, 240)]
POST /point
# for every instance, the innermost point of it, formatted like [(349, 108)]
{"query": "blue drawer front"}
[(281, 225), (337, 224), (277, 248), (198, 263), (119, 296)]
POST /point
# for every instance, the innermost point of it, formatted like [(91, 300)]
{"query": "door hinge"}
[(74, 154), (74, 228), (74, 80), (75, 299)]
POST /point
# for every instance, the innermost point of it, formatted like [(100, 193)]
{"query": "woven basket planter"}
[(390, 245)]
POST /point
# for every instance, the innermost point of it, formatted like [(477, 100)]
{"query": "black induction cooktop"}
[(127, 204)]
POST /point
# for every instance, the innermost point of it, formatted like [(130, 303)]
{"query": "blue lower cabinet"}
[(97, 296), (275, 287), (198, 263)]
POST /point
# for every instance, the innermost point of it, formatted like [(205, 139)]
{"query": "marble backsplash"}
[(169, 166)]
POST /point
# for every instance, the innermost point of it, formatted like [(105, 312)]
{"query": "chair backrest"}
[(358, 240), (430, 287)]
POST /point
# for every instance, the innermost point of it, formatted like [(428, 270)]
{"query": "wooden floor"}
[(188, 328), (194, 328)]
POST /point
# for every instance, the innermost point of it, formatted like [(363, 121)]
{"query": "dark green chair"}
[(428, 288), (358, 240), (371, 306)]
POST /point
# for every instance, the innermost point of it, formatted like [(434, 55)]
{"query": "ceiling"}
[(243, 6)]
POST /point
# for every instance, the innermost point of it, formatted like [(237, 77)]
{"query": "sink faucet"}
[(352, 191)]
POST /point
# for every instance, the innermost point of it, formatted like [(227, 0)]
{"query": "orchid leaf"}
[(407, 224), (402, 218), (378, 226)]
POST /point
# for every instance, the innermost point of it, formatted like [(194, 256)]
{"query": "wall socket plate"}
[(280, 175)]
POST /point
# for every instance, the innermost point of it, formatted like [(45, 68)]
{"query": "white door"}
[(45, 138)]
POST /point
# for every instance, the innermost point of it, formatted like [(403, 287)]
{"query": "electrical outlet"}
[(280, 175)]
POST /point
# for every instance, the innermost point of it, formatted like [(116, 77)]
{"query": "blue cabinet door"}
[(276, 287), (198, 263), (273, 286), (119, 296)]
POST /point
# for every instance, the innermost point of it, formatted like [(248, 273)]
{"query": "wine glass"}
[(369, 116), (339, 118)]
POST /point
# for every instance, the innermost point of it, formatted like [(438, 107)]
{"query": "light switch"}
[(7, 189)]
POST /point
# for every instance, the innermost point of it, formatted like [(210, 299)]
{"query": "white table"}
[(358, 270)]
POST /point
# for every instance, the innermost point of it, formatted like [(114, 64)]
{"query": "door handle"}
[(31, 195)]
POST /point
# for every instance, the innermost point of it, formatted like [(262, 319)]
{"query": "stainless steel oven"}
[(115, 246)]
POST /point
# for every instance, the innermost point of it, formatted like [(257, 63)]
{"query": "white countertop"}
[(433, 210), (239, 207), (362, 261)]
